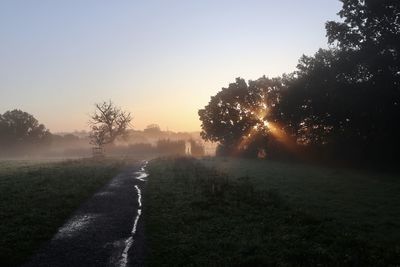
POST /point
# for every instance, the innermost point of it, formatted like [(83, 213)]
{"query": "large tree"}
[(367, 24), (346, 100), (235, 116), (107, 123), (343, 102)]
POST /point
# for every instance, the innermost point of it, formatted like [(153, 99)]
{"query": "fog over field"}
[(22, 137), (199, 133)]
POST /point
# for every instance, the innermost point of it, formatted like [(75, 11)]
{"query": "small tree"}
[(107, 123)]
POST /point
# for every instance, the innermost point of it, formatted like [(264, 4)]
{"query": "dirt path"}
[(107, 230)]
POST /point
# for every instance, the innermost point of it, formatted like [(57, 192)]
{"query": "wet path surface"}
[(107, 230)]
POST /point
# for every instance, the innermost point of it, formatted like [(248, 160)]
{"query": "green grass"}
[(37, 197), (225, 212), (369, 201)]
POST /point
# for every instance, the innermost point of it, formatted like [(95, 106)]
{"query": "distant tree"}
[(107, 123), (66, 139), (171, 147), (20, 130), (152, 128), (70, 138)]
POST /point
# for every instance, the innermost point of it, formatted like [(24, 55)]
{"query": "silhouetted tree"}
[(152, 129), (311, 102), (107, 123), (64, 140), (19, 130), (342, 103), (368, 24), (237, 112), (345, 101), (369, 39)]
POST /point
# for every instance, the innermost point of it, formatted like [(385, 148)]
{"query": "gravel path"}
[(107, 230)]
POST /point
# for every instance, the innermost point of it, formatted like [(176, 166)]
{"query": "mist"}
[(208, 133), (23, 137)]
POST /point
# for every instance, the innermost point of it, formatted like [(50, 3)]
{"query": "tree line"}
[(21, 134), (342, 104)]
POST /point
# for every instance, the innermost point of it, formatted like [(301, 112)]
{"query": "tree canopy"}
[(107, 123), (239, 112), (342, 102), (20, 131)]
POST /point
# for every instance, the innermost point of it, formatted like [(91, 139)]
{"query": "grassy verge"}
[(199, 216), (36, 198)]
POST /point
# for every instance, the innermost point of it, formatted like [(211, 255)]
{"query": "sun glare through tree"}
[(199, 133)]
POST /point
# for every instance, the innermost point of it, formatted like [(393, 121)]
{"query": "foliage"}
[(152, 129), (234, 112), (107, 123), (315, 105), (20, 131), (367, 24), (343, 103), (346, 100)]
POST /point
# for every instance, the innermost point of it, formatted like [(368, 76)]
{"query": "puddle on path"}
[(75, 225)]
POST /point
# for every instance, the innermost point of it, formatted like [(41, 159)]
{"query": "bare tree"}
[(107, 123)]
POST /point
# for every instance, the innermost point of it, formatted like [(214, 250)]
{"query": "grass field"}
[(37, 197), (369, 201), (231, 212)]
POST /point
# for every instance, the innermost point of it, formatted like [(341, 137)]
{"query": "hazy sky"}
[(161, 60)]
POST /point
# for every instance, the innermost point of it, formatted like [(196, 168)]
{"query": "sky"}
[(160, 60)]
